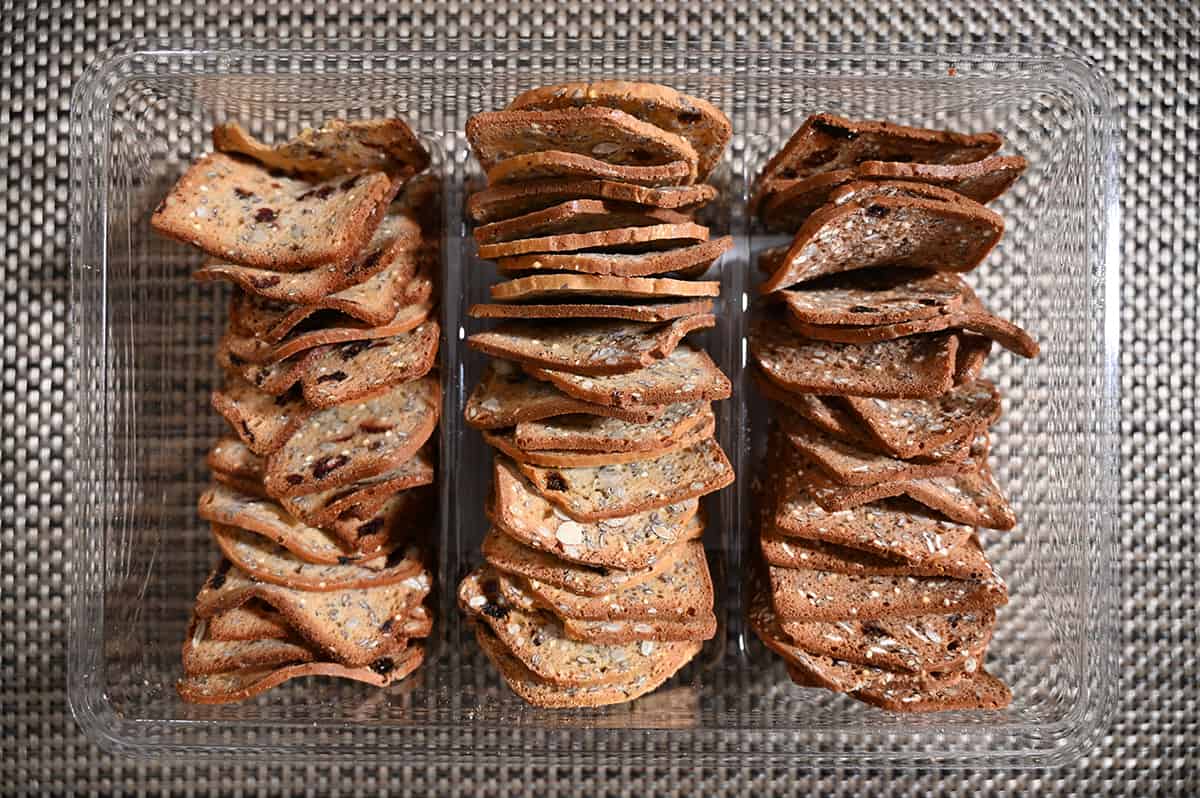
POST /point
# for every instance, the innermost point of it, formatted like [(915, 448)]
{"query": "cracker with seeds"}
[(338, 147), (587, 347), (238, 211), (917, 367), (912, 427), (538, 641), (569, 286), (590, 494), (505, 443), (617, 239), (355, 627), (879, 230), (604, 133), (690, 260), (391, 245), (506, 396), (626, 543), (698, 121), (506, 554), (507, 201), (346, 443), (588, 433), (825, 143), (264, 560), (559, 165), (687, 374), (650, 312), (575, 216)]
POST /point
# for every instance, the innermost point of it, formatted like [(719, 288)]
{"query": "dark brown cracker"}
[(685, 375), (266, 561), (697, 120), (826, 412), (604, 133), (263, 422), (815, 670), (682, 591), (920, 366), (630, 311), (336, 148), (972, 497), (784, 204), (589, 494), (332, 375), (346, 443), (373, 302), (355, 627), (977, 689), (913, 427), (847, 464), (568, 286), (629, 543), (510, 556), (363, 498), (683, 259), (876, 296), (981, 181), (661, 664), (506, 396), (236, 210), (866, 189), (505, 443), (249, 349), (587, 433), (223, 505), (892, 528), (787, 203), (963, 561), (501, 202), (538, 641), (870, 231), (395, 238), (653, 236), (587, 347), (575, 216), (825, 143), (245, 683), (973, 351), (559, 165), (927, 643), (974, 318), (401, 516), (808, 595)]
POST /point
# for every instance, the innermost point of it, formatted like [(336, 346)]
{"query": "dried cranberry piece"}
[(327, 465)]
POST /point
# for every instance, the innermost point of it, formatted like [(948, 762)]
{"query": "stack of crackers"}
[(596, 588), (319, 504), (876, 478)]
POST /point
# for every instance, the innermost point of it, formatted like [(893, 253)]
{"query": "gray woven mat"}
[(1148, 52)]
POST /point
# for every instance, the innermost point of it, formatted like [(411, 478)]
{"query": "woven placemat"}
[(1148, 52)]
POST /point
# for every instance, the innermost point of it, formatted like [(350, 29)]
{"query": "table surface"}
[(1149, 53)]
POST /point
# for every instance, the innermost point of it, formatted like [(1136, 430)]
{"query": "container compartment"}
[(143, 334)]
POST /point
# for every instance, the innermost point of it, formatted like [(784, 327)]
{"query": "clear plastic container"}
[(143, 336)]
